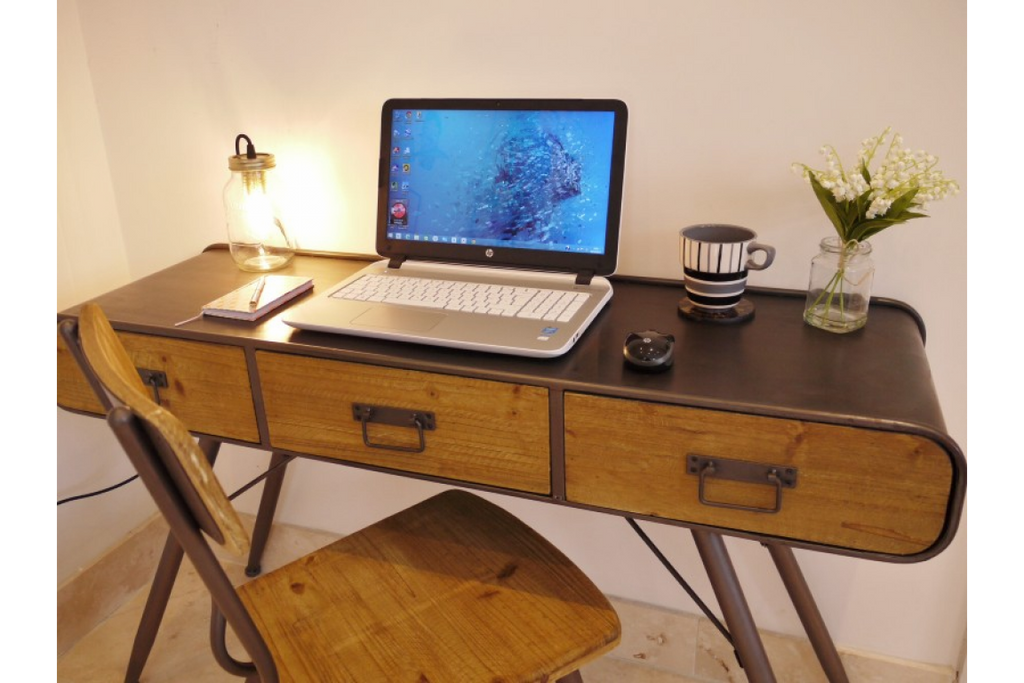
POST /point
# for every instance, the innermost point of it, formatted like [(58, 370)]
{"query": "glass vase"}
[(839, 290)]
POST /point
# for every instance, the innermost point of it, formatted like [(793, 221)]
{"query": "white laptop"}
[(497, 221)]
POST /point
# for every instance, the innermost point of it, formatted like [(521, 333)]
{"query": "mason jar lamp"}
[(257, 237)]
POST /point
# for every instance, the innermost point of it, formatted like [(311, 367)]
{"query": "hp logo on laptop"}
[(489, 253)]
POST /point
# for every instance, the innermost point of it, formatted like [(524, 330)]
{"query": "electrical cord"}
[(101, 491), (132, 478)]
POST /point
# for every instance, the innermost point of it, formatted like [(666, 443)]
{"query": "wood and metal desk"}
[(768, 430)]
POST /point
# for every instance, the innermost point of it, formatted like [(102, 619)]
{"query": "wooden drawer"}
[(208, 384), (487, 432), (856, 488)]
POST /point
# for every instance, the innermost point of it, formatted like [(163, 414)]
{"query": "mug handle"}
[(769, 256)]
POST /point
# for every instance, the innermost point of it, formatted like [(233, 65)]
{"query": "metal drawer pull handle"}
[(155, 379), (421, 420), (706, 467)]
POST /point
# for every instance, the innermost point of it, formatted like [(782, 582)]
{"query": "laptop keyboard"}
[(534, 303)]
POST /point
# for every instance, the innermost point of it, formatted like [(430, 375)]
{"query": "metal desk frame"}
[(124, 311)]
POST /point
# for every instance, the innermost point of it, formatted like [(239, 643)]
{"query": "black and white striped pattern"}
[(715, 260)]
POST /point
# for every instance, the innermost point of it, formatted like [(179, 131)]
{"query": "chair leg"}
[(153, 612), (265, 515), (574, 677), (160, 591)]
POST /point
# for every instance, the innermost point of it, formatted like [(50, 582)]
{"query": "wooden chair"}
[(451, 590)]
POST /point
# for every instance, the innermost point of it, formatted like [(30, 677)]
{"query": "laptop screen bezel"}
[(598, 264)]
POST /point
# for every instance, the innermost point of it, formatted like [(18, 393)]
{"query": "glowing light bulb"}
[(257, 236)]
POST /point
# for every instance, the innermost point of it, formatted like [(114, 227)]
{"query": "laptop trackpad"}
[(392, 318)]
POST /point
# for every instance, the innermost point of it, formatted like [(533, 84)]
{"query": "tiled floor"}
[(658, 646), (182, 652)]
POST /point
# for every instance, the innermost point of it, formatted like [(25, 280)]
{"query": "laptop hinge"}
[(396, 262), (584, 277)]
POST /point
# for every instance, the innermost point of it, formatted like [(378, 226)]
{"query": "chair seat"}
[(451, 590)]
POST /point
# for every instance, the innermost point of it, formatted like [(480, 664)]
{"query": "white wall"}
[(723, 97), (90, 260)]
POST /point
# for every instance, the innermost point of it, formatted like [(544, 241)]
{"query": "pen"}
[(255, 300)]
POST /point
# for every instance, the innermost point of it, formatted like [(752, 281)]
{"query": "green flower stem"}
[(830, 289), (836, 283)]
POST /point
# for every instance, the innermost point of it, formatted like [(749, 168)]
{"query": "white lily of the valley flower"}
[(904, 180)]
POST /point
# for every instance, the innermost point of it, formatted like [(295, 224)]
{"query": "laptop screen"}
[(528, 183)]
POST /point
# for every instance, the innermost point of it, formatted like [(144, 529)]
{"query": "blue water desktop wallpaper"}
[(520, 179)]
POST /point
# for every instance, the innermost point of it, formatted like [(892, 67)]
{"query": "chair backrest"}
[(182, 458)]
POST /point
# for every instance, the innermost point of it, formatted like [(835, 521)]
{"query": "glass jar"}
[(257, 236), (839, 290)]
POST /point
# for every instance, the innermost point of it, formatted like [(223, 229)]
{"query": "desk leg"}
[(265, 515), (726, 585), (807, 609), (160, 591)]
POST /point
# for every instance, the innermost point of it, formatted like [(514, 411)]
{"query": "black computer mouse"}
[(649, 351)]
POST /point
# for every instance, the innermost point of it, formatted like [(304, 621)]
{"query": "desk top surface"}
[(772, 365)]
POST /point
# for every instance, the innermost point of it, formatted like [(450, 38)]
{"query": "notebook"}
[(480, 194), (257, 298)]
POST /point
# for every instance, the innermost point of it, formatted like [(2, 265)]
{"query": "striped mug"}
[(715, 261)]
